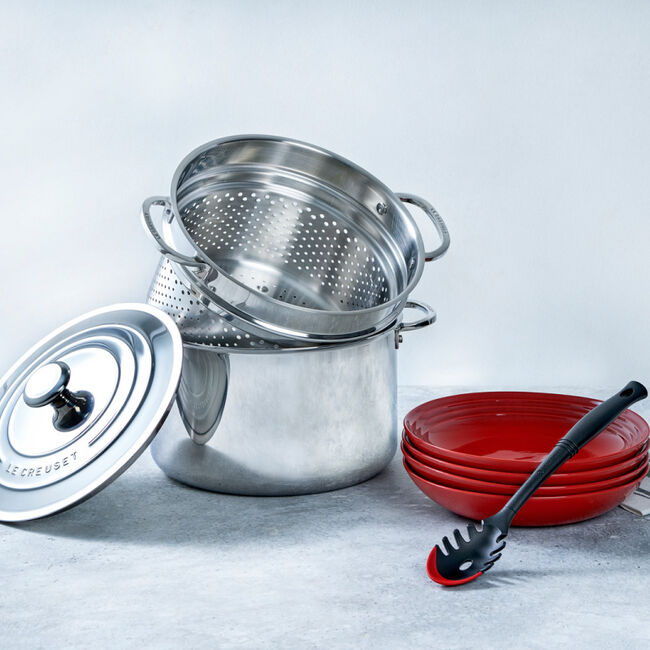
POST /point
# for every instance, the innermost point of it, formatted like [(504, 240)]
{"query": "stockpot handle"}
[(158, 239), (427, 319), (437, 221)]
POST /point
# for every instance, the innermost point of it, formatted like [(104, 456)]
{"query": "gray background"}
[(525, 123)]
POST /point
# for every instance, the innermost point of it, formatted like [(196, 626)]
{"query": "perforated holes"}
[(286, 241), (196, 324)]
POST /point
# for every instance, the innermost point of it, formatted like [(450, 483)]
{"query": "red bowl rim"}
[(569, 490), (456, 468), (550, 401), (544, 499)]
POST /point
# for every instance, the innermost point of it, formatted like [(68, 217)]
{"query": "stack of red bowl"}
[(471, 452)]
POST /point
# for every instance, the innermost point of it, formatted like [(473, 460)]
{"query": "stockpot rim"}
[(397, 328)]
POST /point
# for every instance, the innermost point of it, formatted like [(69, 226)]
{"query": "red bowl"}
[(464, 483), (537, 511), (511, 431), (516, 478)]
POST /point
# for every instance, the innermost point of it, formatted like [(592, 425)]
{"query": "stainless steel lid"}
[(79, 407)]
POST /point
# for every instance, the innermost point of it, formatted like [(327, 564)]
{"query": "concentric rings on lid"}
[(79, 407)]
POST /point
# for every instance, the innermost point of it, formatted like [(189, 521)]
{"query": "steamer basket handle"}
[(437, 221), (424, 321), (157, 238)]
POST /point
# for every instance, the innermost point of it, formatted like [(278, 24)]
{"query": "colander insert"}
[(292, 238), (292, 250)]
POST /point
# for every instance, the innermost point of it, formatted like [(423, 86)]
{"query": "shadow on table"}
[(497, 578), (150, 509)]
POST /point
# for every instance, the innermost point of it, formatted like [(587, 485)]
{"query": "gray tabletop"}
[(151, 563)]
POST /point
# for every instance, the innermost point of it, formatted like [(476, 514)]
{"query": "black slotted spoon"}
[(472, 556)]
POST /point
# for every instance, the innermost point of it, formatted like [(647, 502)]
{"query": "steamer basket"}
[(292, 239)]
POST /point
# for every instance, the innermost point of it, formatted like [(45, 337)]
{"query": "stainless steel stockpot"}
[(287, 422)]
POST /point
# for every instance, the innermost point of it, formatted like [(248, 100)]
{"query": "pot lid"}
[(79, 407)]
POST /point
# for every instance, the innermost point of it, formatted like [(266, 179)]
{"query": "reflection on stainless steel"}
[(290, 239), (203, 324), (294, 422), (49, 385), (98, 366), (129, 358), (111, 362), (202, 392)]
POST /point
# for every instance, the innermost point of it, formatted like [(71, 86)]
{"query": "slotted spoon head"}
[(472, 555)]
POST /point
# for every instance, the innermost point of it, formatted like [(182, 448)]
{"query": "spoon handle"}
[(587, 428)]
